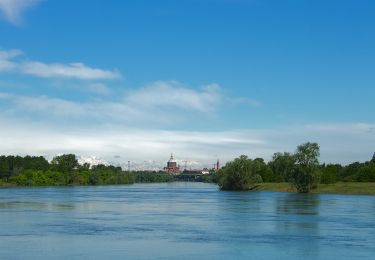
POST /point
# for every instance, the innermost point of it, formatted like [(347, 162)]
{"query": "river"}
[(182, 221)]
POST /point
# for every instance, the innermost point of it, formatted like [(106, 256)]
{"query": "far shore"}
[(355, 188)]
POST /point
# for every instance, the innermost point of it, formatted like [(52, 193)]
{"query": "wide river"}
[(182, 221)]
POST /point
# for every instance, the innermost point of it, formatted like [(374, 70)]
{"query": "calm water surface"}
[(184, 221)]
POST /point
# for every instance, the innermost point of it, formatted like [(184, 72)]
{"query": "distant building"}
[(172, 167), (205, 171)]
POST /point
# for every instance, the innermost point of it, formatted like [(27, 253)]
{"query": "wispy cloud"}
[(174, 94), (6, 57), (12, 60), (139, 144), (156, 103), (48, 107), (72, 70), (99, 88), (13, 10)]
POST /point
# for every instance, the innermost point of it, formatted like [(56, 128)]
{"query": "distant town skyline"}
[(139, 80)]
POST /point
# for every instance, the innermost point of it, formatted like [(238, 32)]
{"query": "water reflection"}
[(298, 222), (298, 204), (32, 205), (185, 221)]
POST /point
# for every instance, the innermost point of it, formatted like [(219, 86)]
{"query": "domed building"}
[(172, 167)]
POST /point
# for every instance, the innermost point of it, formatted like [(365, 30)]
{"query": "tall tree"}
[(305, 173), (65, 163)]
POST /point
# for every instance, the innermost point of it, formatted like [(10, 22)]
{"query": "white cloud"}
[(342, 143), (173, 94), (9, 54), (156, 103), (56, 107), (99, 88), (72, 70), (12, 10), (5, 59), (11, 61), (101, 128)]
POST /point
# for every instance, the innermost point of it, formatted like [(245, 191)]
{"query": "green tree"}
[(330, 173), (367, 173), (261, 168), (84, 167), (239, 174), (350, 172), (282, 165), (4, 167), (35, 163), (305, 174), (64, 163)]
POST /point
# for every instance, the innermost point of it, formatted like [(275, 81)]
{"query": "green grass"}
[(337, 188), (278, 186), (347, 188), (4, 184)]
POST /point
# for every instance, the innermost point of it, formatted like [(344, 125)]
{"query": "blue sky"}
[(203, 79)]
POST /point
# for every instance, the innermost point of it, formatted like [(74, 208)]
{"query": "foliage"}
[(239, 174), (367, 173), (3, 183), (259, 167), (65, 163), (11, 165), (305, 173), (330, 173), (152, 176), (37, 178), (104, 175), (282, 165), (351, 172), (63, 170), (210, 178)]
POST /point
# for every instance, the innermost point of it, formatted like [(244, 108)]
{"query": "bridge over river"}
[(191, 177)]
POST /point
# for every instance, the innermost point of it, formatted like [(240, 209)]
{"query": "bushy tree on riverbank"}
[(301, 169), (305, 173), (239, 174)]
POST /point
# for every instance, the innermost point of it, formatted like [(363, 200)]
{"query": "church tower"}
[(172, 167)]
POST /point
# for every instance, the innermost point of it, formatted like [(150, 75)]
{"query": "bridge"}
[(192, 176)]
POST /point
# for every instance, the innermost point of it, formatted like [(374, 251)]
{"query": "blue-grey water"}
[(182, 221)]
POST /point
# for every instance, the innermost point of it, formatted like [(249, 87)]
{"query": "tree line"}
[(65, 170), (301, 169)]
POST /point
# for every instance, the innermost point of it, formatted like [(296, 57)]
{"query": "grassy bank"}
[(337, 188)]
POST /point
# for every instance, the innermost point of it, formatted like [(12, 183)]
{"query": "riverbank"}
[(361, 188)]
